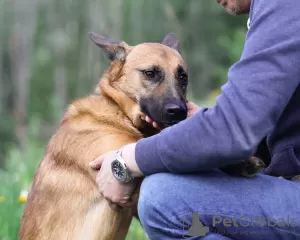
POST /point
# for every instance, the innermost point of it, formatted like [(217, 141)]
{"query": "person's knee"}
[(165, 198), (153, 200), (163, 205)]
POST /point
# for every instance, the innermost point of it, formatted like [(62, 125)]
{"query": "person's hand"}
[(117, 194), (192, 109)]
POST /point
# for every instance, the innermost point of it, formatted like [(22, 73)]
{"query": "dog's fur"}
[(64, 201)]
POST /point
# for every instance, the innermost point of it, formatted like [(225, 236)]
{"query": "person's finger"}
[(190, 105), (155, 125), (148, 120), (96, 164), (128, 204)]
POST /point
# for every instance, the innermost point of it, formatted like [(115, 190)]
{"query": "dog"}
[(64, 201)]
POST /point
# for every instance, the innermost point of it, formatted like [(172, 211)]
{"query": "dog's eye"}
[(183, 78), (183, 81), (150, 74)]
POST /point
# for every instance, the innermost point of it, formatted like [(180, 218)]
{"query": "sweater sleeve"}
[(258, 89)]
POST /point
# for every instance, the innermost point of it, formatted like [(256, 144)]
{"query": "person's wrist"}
[(128, 155)]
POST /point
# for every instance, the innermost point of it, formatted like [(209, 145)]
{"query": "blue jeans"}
[(214, 205)]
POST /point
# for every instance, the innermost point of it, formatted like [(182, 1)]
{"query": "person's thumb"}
[(96, 164)]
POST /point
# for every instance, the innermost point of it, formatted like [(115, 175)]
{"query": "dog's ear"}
[(114, 49), (171, 41)]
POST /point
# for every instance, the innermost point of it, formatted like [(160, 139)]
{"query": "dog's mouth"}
[(171, 123), (166, 118)]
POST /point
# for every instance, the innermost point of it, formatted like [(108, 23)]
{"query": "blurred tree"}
[(20, 50), (47, 59)]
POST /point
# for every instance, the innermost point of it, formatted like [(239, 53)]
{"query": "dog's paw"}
[(296, 178), (252, 166), (248, 168)]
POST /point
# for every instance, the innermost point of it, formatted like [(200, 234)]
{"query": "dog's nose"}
[(175, 112)]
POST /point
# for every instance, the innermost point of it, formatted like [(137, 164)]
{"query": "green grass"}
[(136, 232)]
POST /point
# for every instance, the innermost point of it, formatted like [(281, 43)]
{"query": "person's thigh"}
[(263, 207)]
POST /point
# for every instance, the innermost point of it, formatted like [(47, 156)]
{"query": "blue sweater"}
[(261, 98)]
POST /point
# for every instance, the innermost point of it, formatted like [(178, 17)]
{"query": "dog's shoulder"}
[(93, 105)]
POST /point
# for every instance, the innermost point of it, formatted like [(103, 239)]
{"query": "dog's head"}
[(153, 75)]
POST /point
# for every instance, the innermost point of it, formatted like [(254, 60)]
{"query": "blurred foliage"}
[(47, 60)]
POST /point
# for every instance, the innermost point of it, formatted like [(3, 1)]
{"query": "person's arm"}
[(259, 87)]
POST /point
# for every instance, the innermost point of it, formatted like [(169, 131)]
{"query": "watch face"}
[(118, 170)]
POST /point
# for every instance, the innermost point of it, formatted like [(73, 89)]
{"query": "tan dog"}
[(64, 202)]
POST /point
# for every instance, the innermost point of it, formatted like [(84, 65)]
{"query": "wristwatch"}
[(119, 168)]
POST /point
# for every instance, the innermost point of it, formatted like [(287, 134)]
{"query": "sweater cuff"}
[(147, 156)]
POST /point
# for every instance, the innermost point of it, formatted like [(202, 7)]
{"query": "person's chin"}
[(235, 12)]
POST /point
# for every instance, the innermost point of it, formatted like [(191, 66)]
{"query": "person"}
[(180, 164)]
